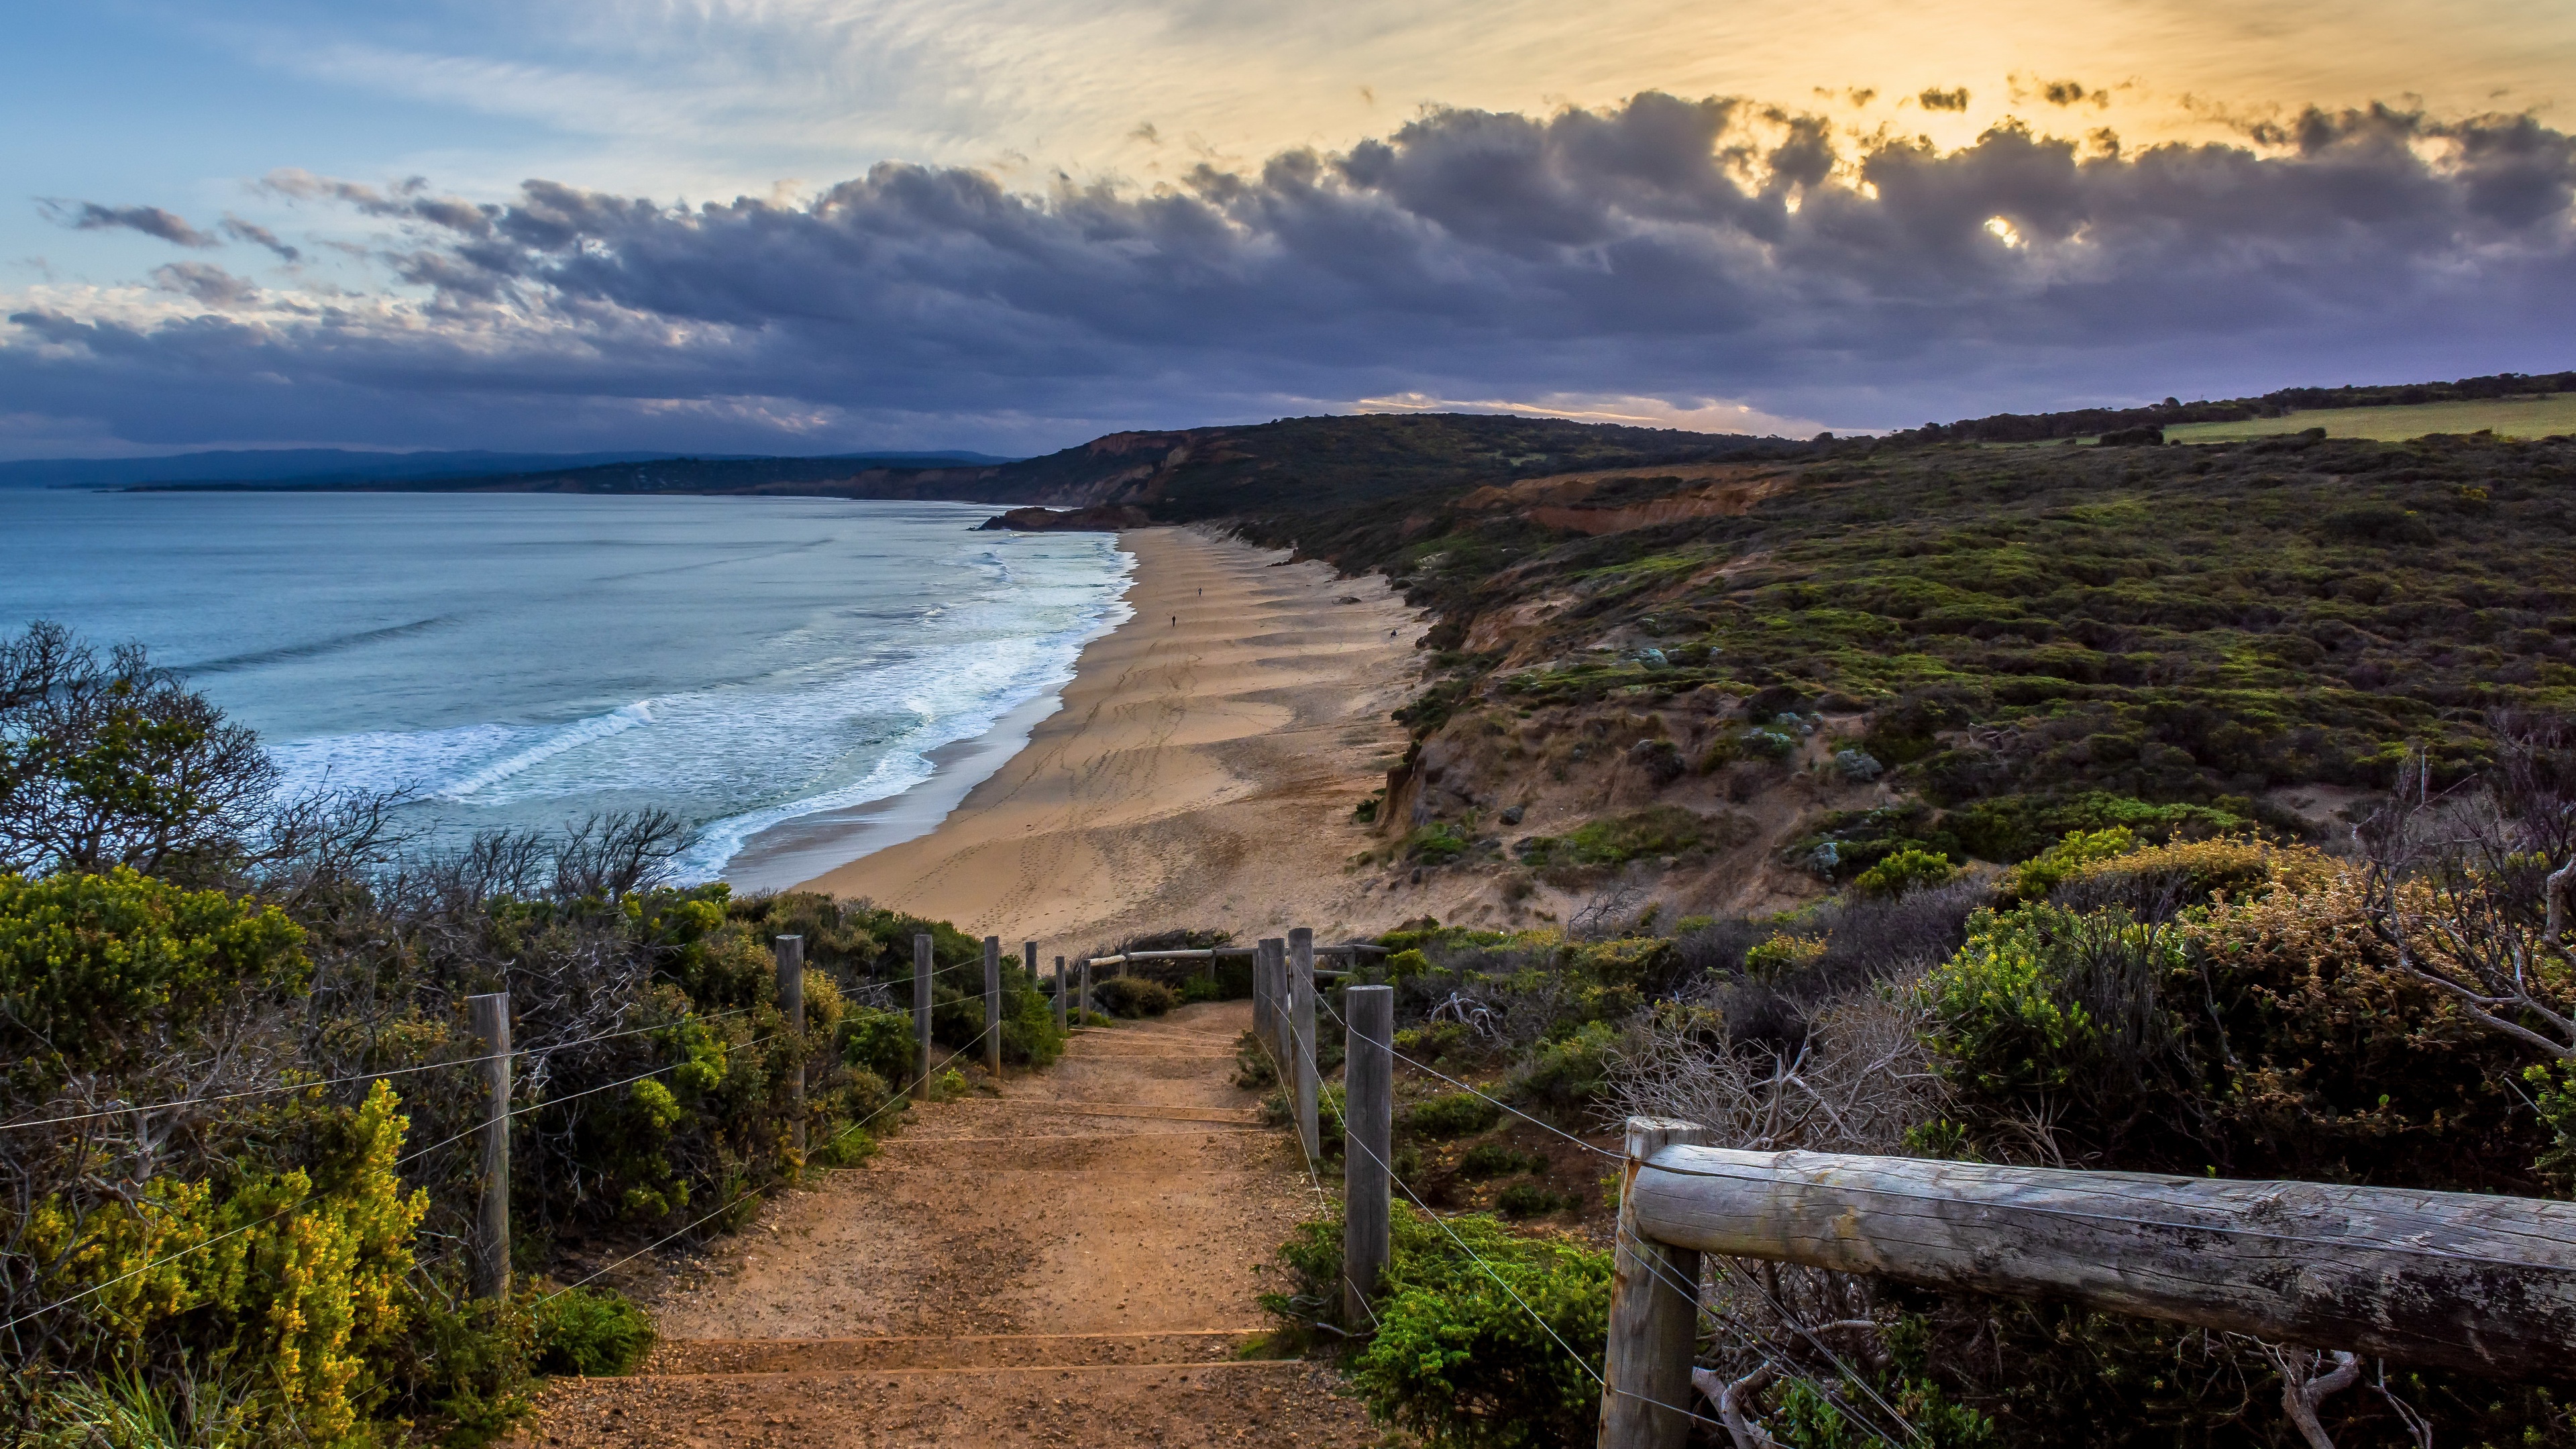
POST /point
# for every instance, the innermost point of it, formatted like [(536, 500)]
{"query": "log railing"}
[(2443, 1279)]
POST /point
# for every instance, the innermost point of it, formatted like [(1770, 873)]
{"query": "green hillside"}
[(2545, 416)]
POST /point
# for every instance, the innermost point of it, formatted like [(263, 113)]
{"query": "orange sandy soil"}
[(1071, 1257)]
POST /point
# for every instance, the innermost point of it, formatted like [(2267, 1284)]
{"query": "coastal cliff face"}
[(1739, 684)]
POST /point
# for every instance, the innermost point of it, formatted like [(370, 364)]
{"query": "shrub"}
[(96, 967), (1438, 1041), (299, 1271), (1457, 1358), (1906, 870), (1660, 760), (878, 1041), (1659, 830), (1571, 1071), (1528, 1200), (1456, 1114), (2161, 879), (1437, 843), (591, 1332), (1134, 997), (2034, 878), (1493, 1159)]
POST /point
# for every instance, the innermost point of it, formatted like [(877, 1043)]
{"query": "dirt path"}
[(1073, 1261)]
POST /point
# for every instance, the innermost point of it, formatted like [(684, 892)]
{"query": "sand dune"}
[(1201, 773)]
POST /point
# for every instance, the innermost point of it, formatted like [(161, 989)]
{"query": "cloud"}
[(206, 282), (1665, 248), (257, 235), (149, 220)]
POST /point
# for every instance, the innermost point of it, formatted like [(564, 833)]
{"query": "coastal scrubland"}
[(2150, 808), (238, 1110)]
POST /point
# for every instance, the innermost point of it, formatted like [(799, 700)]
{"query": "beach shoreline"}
[(1200, 772)]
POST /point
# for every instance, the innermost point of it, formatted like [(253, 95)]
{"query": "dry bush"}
[(1857, 1083)]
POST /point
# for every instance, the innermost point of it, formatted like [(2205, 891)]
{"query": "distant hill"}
[(342, 467), (1291, 465)]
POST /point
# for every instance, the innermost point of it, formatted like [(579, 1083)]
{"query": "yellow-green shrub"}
[(87, 961), (295, 1275)]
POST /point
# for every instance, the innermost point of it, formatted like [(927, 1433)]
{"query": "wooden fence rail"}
[(2442, 1279)]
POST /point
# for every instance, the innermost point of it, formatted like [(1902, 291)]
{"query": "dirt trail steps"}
[(1074, 1261)]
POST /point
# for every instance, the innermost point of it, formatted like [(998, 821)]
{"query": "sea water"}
[(754, 665)]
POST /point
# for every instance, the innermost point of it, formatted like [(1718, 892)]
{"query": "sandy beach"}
[(1201, 772)]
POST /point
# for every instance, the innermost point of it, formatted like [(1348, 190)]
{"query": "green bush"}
[(97, 968), (1457, 1358), (591, 1332), (1907, 870), (1439, 1041), (1528, 1200), (2034, 878), (1572, 1071), (1437, 843), (1493, 1159), (878, 1041), (1455, 1114), (1134, 997)]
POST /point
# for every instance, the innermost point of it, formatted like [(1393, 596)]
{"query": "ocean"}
[(800, 679)]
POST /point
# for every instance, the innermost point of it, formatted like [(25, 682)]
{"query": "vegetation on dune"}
[(2215, 793), (2160, 640)]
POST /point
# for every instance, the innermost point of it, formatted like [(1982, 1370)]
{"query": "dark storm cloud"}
[(149, 220), (1662, 248)]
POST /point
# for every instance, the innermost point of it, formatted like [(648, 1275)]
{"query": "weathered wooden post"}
[(1654, 1312), (791, 1005), (1301, 1031), (1086, 986), (1265, 993), (1059, 993), (993, 1006), (1368, 1131), (491, 1022), (921, 1012)]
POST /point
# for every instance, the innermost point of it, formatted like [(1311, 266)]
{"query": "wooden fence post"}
[(791, 1004), (1368, 1130), (1654, 1312), (1265, 993), (921, 1012), (1086, 986), (1059, 993), (993, 1006), (1301, 1030), (491, 1022)]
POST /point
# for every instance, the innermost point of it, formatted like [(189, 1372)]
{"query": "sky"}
[(814, 226)]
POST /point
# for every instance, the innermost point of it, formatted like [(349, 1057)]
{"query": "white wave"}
[(841, 710), (570, 737)]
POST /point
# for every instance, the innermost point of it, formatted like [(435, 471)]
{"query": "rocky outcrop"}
[(1099, 518)]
